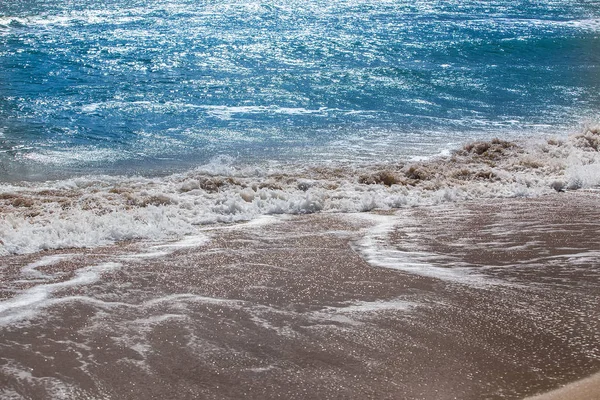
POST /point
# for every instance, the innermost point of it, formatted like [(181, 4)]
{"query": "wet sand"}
[(456, 301), (585, 389)]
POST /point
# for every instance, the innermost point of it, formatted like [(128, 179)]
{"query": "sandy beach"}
[(299, 200), (585, 389), (470, 300)]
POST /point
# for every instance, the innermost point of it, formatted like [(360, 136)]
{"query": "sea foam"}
[(99, 210), (29, 301)]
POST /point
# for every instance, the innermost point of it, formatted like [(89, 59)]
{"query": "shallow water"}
[(319, 306)]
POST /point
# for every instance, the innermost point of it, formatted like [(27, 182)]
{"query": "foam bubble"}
[(163, 250), (377, 251), (30, 270), (100, 210), (372, 306), (28, 303)]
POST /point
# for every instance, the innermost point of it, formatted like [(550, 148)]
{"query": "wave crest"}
[(93, 211)]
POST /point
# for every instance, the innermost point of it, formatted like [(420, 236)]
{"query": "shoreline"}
[(49, 215), (467, 300), (584, 389)]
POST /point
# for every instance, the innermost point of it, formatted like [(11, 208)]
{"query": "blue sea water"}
[(149, 86)]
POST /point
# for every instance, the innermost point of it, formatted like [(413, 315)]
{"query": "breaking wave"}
[(98, 210)]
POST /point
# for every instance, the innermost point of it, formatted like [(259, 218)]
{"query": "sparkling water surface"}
[(155, 86)]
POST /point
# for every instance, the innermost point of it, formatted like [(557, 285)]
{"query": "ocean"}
[(224, 111), (156, 87), (300, 199)]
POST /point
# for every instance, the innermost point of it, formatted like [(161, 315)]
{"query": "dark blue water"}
[(153, 86)]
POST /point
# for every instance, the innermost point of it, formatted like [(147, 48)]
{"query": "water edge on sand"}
[(468, 300)]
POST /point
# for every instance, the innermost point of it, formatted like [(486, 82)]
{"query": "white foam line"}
[(585, 254), (187, 297), (373, 306), (258, 221), (31, 300), (90, 300), (226, 111), (31, 269), (373, 249), (147, 304), (169, 248), (188, 241), (153, 254)]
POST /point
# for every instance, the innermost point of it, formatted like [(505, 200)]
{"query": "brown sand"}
[(585, 389), (293, 310)]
